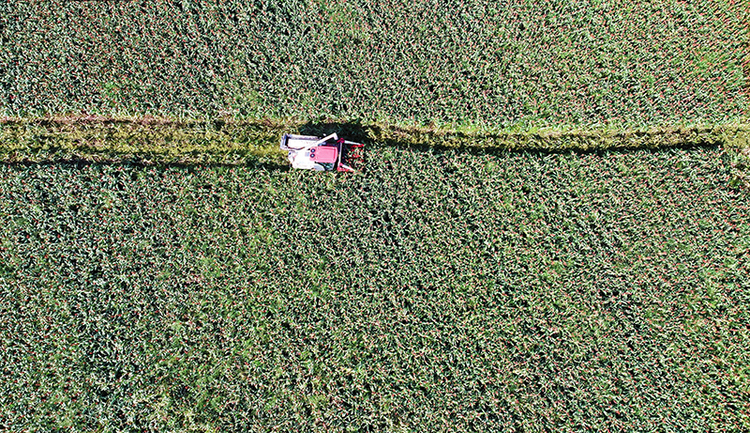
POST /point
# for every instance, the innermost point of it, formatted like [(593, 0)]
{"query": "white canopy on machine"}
[(299, 149), (322, 154)]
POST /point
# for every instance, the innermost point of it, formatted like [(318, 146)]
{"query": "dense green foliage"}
[(439, 290), (480, 63)]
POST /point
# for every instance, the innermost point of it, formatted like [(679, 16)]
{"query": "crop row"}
[(439, 290), (522, 63)]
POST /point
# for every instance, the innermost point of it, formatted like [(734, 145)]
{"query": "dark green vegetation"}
[(478, 65), (440, 290), (451, 286)]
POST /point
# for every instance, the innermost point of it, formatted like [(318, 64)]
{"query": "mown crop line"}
[(552, 139), (153, 140)]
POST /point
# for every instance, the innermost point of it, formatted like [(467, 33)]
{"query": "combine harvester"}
[(322, 154)]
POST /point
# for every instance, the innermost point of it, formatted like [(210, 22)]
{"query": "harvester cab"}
[(328, 153)]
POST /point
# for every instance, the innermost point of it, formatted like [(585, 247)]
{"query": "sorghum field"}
[(488, 65), (438, 291), (551, 232)]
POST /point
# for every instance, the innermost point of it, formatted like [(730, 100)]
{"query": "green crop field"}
[(551, 231), (442, 290), (480, 64)]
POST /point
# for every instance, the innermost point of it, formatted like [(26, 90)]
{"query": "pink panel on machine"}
[(324, 154)]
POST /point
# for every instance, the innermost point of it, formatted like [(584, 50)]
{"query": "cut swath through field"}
[(227, 141)]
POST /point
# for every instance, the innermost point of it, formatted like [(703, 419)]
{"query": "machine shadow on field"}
[(354, 131), (432, 141)]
